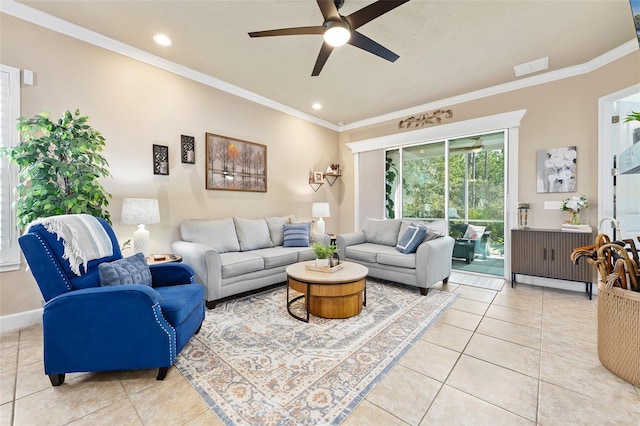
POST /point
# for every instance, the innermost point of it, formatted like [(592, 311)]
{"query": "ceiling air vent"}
[(531, 67)]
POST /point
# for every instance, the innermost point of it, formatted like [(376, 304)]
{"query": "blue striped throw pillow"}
[(296, 236), (411, 239)]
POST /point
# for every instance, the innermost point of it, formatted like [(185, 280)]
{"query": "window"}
[(9, 113)]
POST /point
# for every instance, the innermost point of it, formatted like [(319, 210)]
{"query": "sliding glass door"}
[(424, 176), (462, 181)]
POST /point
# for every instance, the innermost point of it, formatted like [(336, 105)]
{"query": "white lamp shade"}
[(320, 210), (140, 211)]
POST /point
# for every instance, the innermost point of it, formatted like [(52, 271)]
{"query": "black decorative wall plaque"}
[(160, 159), (188, 149)]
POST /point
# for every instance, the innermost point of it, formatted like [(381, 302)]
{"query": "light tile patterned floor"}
[(525, 355)]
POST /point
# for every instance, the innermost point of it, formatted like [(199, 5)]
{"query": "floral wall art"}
[(556, 170)]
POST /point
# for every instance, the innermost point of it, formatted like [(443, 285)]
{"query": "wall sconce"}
[(140, 211), (160, 159)]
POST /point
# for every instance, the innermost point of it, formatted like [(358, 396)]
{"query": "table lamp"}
[(320, 210), (140, 211)]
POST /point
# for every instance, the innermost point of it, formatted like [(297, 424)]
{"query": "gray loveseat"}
[(235, 255), (375, 248)]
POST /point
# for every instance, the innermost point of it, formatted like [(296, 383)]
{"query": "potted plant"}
[(634, 116), (391, 172), (59, 167), (574, 205), (323, 253)]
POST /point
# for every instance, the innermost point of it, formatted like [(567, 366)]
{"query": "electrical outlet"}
[(27, 77), (553, 205)]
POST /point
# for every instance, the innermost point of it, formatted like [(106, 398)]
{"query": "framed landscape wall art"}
[(235, 165), (556, 170)]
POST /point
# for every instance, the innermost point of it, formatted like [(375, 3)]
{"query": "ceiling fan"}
[(477, 146), (338, 30)]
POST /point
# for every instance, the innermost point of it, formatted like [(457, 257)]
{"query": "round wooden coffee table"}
[(339, 294)]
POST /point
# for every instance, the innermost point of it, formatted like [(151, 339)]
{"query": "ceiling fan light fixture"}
[(337, 33)]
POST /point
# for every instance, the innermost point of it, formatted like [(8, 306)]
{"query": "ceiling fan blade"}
[(365, 43), (325, 51), (288, 31), (371, 12), (329, 10)]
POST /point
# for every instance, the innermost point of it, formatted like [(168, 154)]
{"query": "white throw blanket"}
[(83, 236)]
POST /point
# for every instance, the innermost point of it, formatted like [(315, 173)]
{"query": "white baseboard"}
[(20, 320), (553, 283)]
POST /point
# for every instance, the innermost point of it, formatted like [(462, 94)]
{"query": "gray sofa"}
[(235, 255), (375, 248)]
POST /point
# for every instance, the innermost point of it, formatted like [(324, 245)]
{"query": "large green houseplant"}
[(60, 165)]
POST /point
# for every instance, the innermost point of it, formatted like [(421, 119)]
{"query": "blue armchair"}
[(90, 328)]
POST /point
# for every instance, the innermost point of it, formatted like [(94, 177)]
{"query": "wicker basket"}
[(619, 331)]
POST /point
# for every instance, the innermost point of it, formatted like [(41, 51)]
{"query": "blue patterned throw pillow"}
[(296, 235), (411, 239), (130, 270)]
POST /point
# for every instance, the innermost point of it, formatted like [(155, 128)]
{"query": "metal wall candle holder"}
[(160, 159), (188, 145)]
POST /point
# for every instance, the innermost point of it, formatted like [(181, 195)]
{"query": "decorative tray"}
[(326, 269)]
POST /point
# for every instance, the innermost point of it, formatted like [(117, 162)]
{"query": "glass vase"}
[(575, 219)]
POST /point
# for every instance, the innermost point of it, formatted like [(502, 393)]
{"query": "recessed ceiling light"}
[(162, 40), (316, 106)]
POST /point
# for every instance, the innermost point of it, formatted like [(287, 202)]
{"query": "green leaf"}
[(59, 167)]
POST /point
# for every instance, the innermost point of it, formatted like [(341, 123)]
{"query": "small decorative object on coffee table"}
[(340, 294), (323, 253)]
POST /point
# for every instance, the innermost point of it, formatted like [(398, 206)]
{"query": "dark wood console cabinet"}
[(547, 253)]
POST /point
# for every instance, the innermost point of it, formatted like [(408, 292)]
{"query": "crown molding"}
[(29, 14), (602, 60), (480, 125)]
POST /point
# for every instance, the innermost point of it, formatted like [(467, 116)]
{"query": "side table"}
[(464, 249), (166, 258)]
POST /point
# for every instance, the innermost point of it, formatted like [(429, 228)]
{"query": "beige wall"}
[(135, 105), (560, 113)]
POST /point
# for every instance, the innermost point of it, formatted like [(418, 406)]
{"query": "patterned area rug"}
[(256, 365)]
